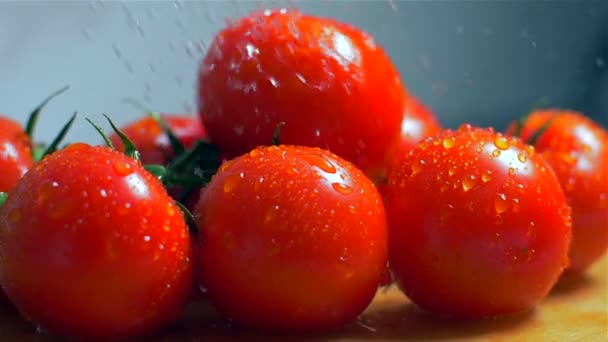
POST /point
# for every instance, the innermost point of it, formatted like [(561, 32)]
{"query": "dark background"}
[(485, 62)]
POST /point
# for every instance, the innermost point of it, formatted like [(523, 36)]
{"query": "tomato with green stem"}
[(330, 82), (93, 247), (478, 224), (577, 150), (307, 251), (17, 150)]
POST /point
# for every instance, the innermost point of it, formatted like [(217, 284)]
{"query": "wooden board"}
[(574, 311)]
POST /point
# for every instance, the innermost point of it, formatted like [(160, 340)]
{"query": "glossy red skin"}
[(478, 224), (282, 249), (15, 153), (418, 123), (328, 81), (577, 150), (93, 247), (153, 144)]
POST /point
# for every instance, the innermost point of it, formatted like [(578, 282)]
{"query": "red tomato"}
[(418, 123), (153, 143), (332, 85), (93, 247), (577, 150), (15, 153), (292, 238), (478, 224)]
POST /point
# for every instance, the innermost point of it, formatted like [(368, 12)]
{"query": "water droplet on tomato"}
[(515, 204), (170, 210), (166, 227), (417, 166), (496, 153), (322, 163), (511, 172), (500, 203), (352, 209), (202, 288), (486, 176), (123, 168), (232, 181), (468, 183), (147, 238), (452, 171), (255, 153), (342, 188), (103, 193), (448, 142), (271, 213), (522, 157), (501, 142)]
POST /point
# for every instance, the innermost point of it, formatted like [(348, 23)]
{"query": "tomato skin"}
[(153, 144), (328, 81), (418, 123), (93, 247), (577, 150), (478, 224), (309, 252), (15, 153)]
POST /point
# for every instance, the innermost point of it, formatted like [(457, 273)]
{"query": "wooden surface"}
[(576, 310)]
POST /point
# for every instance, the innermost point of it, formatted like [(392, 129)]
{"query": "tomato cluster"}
[(309, 173)]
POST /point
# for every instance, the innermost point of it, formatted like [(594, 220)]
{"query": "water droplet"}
[(511, 172), (166, 227), (515, 204), (103, 193), (496, 153), (352, 209), (342, 188), (452, 171), (123, 168), (522, 157), (202, 288), (232, 181), (147, 238), (500, 203), (448, 142), (486, 176), (501, 142), (322, 163), (271, 213), (417, 166), (255, 153), (468, 183)]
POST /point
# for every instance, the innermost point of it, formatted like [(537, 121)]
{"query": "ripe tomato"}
[(153, 144), (577, 150), (332, 85), (15, 153), (418, 123), (93, 247), (478, 224), (309, 248)]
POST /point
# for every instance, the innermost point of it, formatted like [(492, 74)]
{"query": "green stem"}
[(55, 143), (277, 133), (33, 118), (3, 198)]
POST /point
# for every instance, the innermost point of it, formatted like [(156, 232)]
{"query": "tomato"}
[(15, 153), (152, 142), (332, 85), (93, 247), (418, 123), (478, 224), (292, 238), (577, 150)]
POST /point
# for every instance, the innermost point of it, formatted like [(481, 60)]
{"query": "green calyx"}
[(189, 170), (3, 198), (40, 151)]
